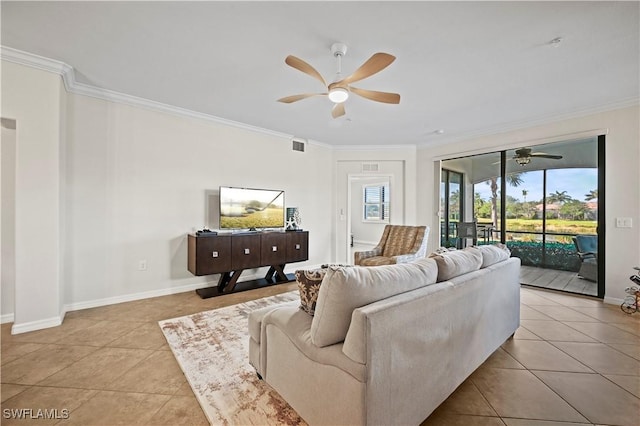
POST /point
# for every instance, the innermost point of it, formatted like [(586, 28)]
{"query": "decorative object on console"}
[(206, 232), (293, 219)]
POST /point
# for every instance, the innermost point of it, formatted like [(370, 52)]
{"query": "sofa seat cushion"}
[(494, 253), (377, 261), (345, 289), (256, 316), (296, 325), (457, 262)]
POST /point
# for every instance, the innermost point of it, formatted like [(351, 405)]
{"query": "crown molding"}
[(35, 61), (71, 85)]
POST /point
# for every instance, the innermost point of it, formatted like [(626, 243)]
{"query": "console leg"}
[(233, 275), (278, 271)]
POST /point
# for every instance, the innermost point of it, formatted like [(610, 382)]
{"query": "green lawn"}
[(267, 218), (553, 225)]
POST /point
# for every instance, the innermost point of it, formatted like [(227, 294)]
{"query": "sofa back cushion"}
[(494, 253), (457, 262), (345, 289)]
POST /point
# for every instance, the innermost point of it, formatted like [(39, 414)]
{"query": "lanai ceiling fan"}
[(524, 155), (338, 91)]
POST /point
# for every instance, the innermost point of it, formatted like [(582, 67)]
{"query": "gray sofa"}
[(388, 344)]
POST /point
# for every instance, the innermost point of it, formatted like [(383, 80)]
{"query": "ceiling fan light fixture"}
[(338, 95), (523, 160)]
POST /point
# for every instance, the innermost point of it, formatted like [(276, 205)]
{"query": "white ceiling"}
[(469, 68)]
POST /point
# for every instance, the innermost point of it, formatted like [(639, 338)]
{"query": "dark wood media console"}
[(230, 254)]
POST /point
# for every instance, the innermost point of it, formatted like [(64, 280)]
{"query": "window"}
[(376, 203)]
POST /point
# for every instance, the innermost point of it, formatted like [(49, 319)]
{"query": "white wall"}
[(622, 180), (8, 224), (101, 185), (33, 98), (139, 181)]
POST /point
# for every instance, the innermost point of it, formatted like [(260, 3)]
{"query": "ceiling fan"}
[(338, 91), (523, 156)]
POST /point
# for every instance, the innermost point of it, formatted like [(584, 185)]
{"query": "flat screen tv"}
[(247, 208)]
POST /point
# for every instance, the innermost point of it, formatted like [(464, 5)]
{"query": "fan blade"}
[(386, 97), (374, 64), (301, 65), (338, 110), (542, 155), (295, 98)]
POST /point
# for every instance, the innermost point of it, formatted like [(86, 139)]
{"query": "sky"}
[(577, 183)]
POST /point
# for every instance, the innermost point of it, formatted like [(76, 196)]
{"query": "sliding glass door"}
[(542, 202)]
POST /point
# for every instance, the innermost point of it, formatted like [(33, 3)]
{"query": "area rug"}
[(212, 349)]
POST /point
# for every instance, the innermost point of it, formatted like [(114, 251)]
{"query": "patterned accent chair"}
[(399, 244)]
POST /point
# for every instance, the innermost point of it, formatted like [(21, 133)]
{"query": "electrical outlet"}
[(142, 265)]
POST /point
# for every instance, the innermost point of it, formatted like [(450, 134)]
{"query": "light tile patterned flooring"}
[(573, 361)]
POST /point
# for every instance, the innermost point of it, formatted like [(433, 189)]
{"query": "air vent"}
[(298, 145), (370, 167)]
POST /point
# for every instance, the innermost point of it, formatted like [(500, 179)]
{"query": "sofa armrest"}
[(295, 324), (255, 330)]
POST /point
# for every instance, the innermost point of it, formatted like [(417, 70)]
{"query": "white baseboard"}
[(5, 318), (612, 300), (37, 325), (56, 321), (368, 243), (161, 292), (134, 296)]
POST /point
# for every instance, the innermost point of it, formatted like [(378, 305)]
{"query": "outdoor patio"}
[(557, 280)]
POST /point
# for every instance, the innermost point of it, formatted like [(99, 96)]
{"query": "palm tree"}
[(524, 194), (513, 179), (559, 197), (592, 195)]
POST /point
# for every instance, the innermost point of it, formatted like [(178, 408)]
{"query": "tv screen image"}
[(246, 208)]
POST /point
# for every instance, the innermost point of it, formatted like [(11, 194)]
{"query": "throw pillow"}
[(457, 262), (309, 286), (494, 253)]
